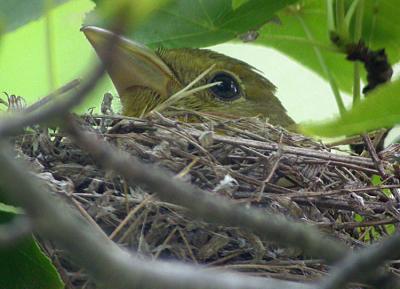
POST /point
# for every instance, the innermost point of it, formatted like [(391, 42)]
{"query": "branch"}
[(365, 263), (12, 124), (65, 88), (285, 149)]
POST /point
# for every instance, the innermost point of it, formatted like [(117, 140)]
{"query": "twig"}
[(65, 88), (342, 205), (11, 125), (299, 151), (359, 266), (374, 156), (129, 217), (352, 225), (186, 91)]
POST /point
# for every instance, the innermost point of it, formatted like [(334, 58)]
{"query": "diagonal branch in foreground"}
[(13, 124), (360, 265)]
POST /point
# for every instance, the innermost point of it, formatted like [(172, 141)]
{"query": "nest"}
[(245, 160)]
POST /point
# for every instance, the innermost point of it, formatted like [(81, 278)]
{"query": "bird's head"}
[(146, 78)]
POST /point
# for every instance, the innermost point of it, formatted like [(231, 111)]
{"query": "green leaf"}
[(377, 181), (4, 208), (14, 14), (24, 265), (200, 23), (380, 109), (380, 28), (379, 31), (238, 3), (107, 13)]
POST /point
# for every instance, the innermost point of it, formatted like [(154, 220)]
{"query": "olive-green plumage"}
[(155, 76)]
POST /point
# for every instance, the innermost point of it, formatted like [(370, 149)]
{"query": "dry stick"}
[(352, 225), (374, 156), (272, 170), (86, 215), (129, 217), (339, 204), (360, 265), (108, 264), (311, 194), (65, 88), (378, 163), (290, 150), (12, 124), (203, 205), (355, 162)]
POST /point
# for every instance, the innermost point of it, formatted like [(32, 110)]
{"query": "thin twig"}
[(360, 265), (65, 88), (374, 156), (11, 125), (186, 91), (299, 151)]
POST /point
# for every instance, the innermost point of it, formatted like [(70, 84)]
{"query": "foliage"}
[(24, 265), (200, 23), (380, 109), (303, 30), (304, 27), (14, 14)]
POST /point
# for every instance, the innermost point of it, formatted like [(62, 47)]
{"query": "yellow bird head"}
[(146, 78)]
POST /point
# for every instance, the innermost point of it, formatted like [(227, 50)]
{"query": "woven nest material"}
[(245, 160)]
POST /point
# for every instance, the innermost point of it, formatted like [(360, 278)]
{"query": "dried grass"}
[(245, 160)]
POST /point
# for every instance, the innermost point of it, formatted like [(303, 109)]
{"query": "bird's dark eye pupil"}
[(227, 89)]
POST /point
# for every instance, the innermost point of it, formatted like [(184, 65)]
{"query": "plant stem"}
[(357, 38), (330, 15), (325, 68), (301, 40), (350, 12), (49, 45), (342, 30)]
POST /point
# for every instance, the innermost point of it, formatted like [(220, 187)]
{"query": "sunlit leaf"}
[(108, 13), (380, 109), (290, 36), (200, 23), (238, 3), (24, 265), (16, 13)]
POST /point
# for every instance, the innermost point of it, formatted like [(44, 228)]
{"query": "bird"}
[(144, 78)]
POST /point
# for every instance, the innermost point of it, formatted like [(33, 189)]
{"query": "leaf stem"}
[(357, 38), (342, 29), (325, 68), (350, 12), (301, 40), (49, 44), (330, 15)]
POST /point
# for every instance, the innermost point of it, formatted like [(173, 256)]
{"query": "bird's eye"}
[(228, 88)]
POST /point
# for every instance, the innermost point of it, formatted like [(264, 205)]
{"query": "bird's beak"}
[(130, 64)]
